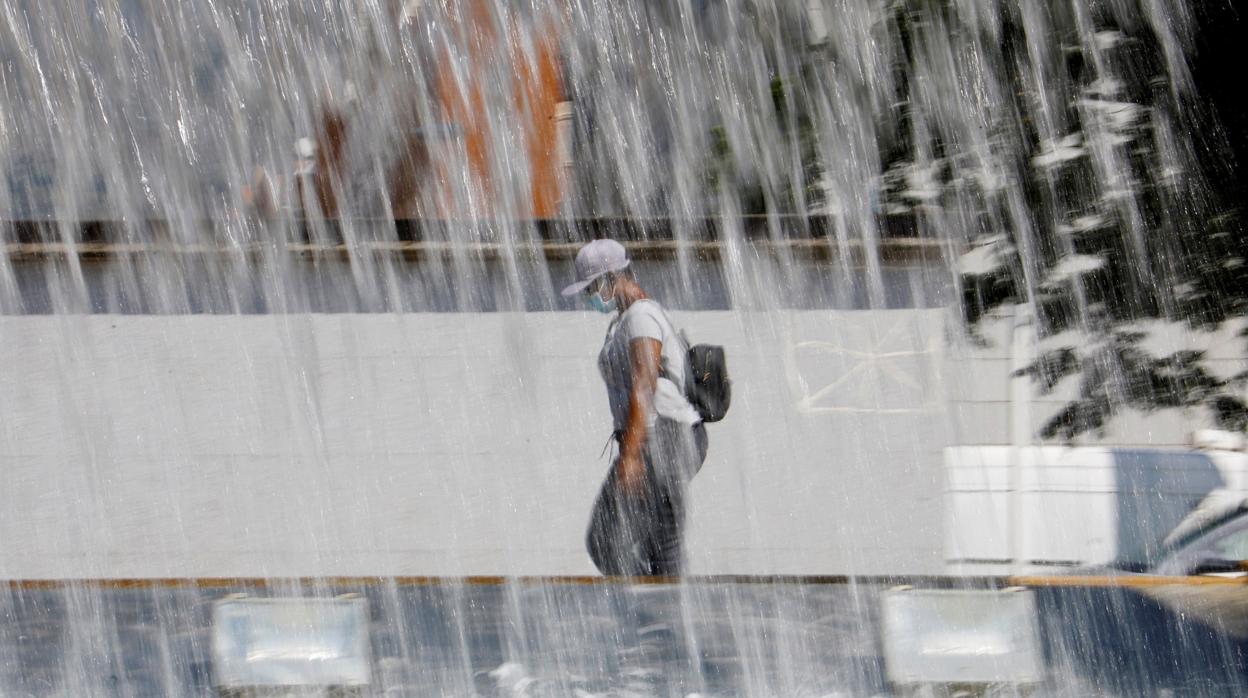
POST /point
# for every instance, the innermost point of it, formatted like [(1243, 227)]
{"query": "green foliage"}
[(1117, 372), (1103, 209), (794, 125), (1168, 246)]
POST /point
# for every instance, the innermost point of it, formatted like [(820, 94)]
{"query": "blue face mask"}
[(595, 302)]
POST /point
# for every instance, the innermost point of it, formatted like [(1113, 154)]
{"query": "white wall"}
[(448, 444), (980, 396)]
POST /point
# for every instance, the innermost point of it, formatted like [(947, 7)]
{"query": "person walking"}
[(637, 524)]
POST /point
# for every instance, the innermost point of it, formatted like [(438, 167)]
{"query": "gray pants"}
[(642, 534)]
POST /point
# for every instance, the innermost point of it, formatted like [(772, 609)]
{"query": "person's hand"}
[(631, 474)]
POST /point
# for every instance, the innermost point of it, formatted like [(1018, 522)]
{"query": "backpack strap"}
[(677, 331)]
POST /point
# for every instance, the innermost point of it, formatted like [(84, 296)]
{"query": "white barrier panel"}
[(267, 643), (449, 444), (960, 637)]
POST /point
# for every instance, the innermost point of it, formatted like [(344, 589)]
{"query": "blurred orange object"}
[(536, 96), (427, 166)]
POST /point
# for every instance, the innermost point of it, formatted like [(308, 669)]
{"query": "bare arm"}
[(643, 355)]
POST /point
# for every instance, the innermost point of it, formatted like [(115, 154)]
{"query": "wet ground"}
[(573, 638)]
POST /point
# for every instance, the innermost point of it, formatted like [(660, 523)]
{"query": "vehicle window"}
[(1227, 541), (1233, 546)]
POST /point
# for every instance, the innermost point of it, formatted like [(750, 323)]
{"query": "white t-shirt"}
[(645, 318)]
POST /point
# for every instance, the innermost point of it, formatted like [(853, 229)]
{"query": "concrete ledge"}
[(815, 236), (416, 230), (924, 581), (907, 249)]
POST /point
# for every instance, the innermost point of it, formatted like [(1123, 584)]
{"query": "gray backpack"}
[(706, 384)]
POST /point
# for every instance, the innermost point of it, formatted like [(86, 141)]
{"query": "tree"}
[(1065, 146), (1093, 193)]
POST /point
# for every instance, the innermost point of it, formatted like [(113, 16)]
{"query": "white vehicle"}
[(1046, 509)]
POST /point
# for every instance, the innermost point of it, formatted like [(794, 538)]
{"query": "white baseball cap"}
[(595, 259)]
